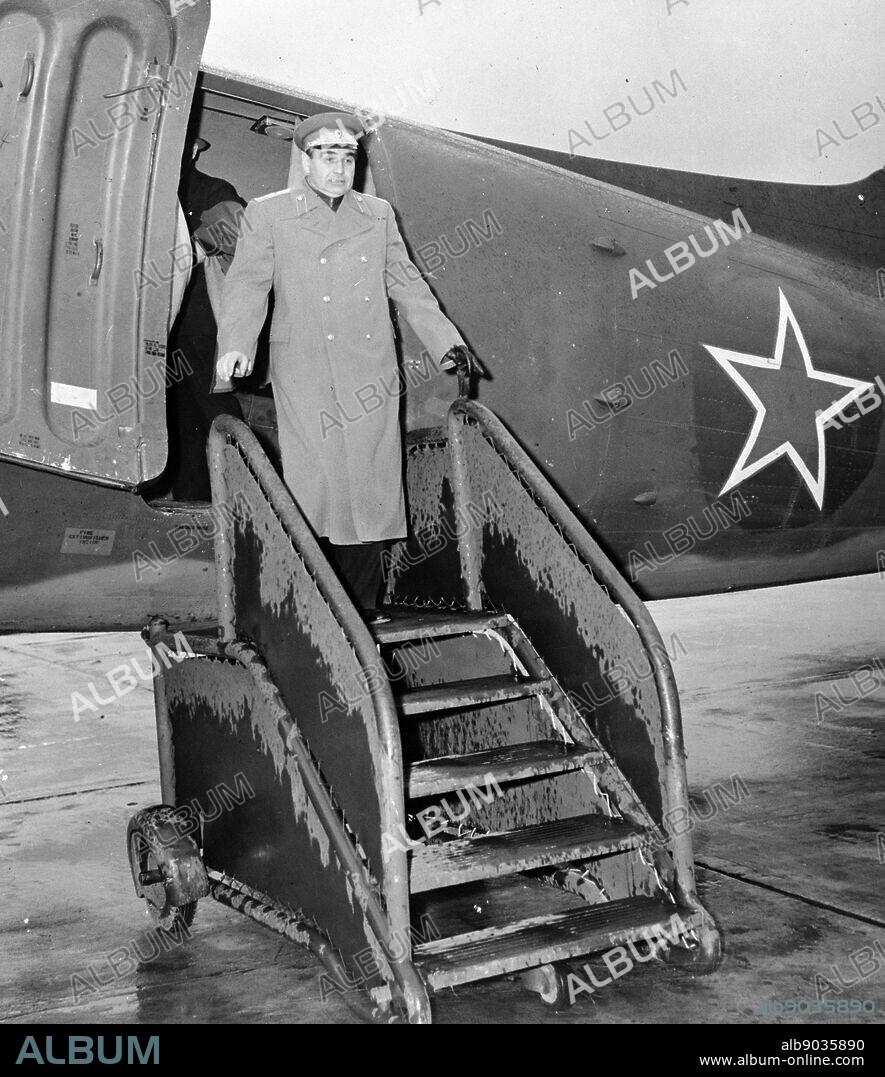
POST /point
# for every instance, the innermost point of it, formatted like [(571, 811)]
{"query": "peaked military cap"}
[(329, 129)]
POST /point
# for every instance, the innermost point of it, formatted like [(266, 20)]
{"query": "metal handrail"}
[(620, 591), (227, 429)]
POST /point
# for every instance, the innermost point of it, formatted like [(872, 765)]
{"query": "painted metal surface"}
[(841, 224), (528, 569), (274, 842), (325, 700), (87, 243), (573, 351), (424, 568), (526, 566), (528, 556), (277, 590), (535, 560), (535, 554), (516, 252), (280, 830), (318, 832), (586, 626), (318, 774), (78, 556)]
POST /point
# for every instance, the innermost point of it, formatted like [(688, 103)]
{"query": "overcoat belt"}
[(333, 360)]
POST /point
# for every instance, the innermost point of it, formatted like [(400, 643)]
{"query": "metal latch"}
[(155, 73)]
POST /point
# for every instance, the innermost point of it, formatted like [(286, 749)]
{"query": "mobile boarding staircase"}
[(478, 787)]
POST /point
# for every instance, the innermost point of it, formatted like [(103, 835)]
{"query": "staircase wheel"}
[(167, 868), (699, 959), (548, 982)]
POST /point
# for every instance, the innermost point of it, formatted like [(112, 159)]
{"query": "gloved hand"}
[(462, 360)]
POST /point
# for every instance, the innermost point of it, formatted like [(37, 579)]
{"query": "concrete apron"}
[(785, 774)]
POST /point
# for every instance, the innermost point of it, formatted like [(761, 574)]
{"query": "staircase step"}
[(448, 773), (542, 845), (455, 695), (540, 940), (408, 624)]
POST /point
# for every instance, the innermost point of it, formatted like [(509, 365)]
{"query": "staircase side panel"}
[(528, 569), (278, 605), (424, 568), (232, 771)]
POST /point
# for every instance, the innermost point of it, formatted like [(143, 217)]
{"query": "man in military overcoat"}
[(325, 250)]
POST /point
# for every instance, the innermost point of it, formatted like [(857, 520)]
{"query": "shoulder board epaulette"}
[(274, 194), (370, 204)]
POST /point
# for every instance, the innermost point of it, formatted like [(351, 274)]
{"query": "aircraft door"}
[(93, 110)]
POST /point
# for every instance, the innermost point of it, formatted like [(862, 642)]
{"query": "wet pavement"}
[(782, 693)]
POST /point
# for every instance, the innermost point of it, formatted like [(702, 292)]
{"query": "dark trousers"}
[(359, 569), (191, 405)]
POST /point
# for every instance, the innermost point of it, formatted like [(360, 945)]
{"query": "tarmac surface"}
[(778, 711)]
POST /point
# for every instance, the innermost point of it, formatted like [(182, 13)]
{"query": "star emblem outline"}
[(727, 358)]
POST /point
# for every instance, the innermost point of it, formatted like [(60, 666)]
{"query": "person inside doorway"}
[(212, 209)]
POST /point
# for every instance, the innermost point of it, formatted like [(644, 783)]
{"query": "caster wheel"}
[(700, 959), (179, 916), (166, 866), (548, 982)]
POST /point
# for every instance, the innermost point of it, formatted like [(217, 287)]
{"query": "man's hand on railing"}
[(464, 363), (462, 360), (233, 365)]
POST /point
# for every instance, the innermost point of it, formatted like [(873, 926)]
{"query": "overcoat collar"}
[(352, 217)]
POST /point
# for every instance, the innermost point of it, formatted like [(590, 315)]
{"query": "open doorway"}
[(238, 147), (246, 142)]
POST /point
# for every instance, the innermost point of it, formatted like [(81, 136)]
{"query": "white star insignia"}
[(728, 359)]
